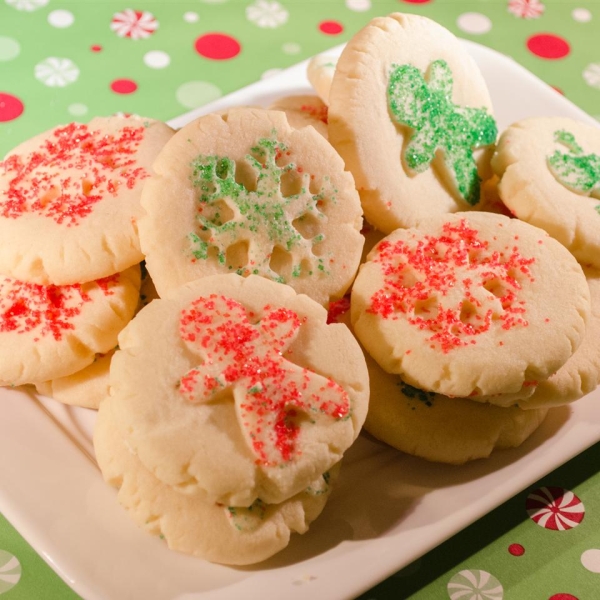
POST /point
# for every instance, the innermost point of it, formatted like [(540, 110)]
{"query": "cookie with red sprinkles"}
[(410, 114), (245, 193), (189, 523), (303, 110), (70, 199), (472, 304), (48, 332), (238, 388)]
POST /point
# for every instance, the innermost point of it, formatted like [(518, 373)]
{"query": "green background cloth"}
[(72, 60)]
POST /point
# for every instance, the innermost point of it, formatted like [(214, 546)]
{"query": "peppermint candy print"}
[(267, 14), (134, 24), (555, 508), (27, 5), (56, 72), (591, 75), (473, 584), (10, 571), (526, 9)]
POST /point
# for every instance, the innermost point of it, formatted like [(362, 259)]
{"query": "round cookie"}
[(580, 375), (189, 523), (303, 110), (237, 388), (549, 169), (246, 193), (410, 114), (319, 72), (47, 332), (69, 200), (471, 304)]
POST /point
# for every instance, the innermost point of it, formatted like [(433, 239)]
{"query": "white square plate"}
[(388, 509)]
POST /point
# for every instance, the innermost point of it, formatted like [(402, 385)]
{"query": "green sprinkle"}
[(416, 394)]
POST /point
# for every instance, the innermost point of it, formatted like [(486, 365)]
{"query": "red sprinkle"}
[(39, 182), (246, 358)]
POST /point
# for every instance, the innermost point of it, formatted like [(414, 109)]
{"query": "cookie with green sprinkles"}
[(238, 389), (471, 304), (189, 523), (245, 193), (410, 114), (549, 170)]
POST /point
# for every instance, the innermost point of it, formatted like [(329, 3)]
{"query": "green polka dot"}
[(197, 93), (77, 109), (9, 48)]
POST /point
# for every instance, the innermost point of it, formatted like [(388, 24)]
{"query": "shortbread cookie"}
[(69, 200), (246, 193), (303, 110), (408, 109), (580, 375), (86, 388), (237, 387), (549, 169), (472, 304), (189, 523), (319, 72), (47, 332)]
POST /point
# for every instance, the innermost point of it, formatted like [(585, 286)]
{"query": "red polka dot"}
[(563, 597), (331, 27), (10, 107), (548, 45), (557, 89), (123, 86), (217, 46), (417, 1), (96, 48), (516, 549)]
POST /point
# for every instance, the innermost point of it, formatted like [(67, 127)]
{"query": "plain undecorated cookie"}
[(70, 199), (189, 523), (303, 110), (246, 193), (403, 87), (549, 169), (237, 388), (472, 304), (47, 332)]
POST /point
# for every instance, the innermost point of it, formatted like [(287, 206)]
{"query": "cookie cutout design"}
[(246, 193), (69, 200), (437, 305), (425, 105), (258, 398)]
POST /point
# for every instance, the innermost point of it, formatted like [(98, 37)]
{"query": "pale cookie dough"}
[(319, 72), (580, 375), (86, 388), (471, 304), (303, 110), (407, 108), (47, 332), (246, 193), (549, 169), (70, 200), (189, 523), (236, 388)]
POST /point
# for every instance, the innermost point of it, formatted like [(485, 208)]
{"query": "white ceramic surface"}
[(388, 510)]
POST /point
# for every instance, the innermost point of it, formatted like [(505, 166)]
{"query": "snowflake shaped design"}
[(526, 9), (264, 218), (425, 105), (27, 5), (134, 24), (575, 170), (272, 394), (473, 584), (266, 14), (56, 72)]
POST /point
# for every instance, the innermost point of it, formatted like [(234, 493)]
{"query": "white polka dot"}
[(590, 559), (190, 17), (591, 75), (61, 18), (197, 93), (291, 48), (9, 48), (582, 15), (358, 5), (157, 59), (77, 109), (269, 73), (474, 23)]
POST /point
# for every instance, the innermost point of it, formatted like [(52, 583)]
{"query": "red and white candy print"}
[(555, 508)]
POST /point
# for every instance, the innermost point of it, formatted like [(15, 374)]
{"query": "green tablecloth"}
[(71, 60)]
